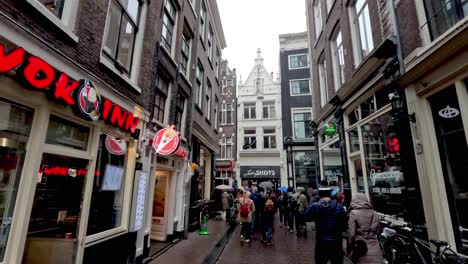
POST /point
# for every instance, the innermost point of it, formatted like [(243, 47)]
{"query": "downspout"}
[(195, 45)]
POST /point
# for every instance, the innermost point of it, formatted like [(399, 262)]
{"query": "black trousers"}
[(245, 230), (328, 251)]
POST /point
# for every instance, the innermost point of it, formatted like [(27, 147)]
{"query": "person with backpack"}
[(330, 221), (268, 218), (246, 209), (254, 198), (282, 208), (290, 210), (363, 227), (301, 208)]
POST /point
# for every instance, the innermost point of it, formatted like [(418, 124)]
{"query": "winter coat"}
[(301, 203), (251, 205), (224, 201), (360, 223), (330, 220)]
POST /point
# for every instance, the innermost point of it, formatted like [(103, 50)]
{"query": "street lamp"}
[(288, 143), (315, 133), (398, 104)]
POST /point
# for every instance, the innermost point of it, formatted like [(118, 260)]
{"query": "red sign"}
[(182, 152), (64, 171), (114, 146), (37, 74), (166, 141)]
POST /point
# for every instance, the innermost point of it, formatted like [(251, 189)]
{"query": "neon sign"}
[(37, 74)]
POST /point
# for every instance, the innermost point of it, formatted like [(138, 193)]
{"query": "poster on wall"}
[(141, 182), (112, 178)]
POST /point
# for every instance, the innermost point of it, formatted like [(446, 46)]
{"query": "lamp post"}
[(398, 105), (287, 142), (314, 128)]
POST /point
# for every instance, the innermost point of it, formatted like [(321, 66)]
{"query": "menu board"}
[(112, 178), (138, 214)]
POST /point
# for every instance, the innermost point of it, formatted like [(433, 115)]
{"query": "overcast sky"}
[(252, 24)]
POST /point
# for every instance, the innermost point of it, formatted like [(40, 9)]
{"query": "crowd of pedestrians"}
[(358, 226)]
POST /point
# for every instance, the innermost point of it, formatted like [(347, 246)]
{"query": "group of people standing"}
[(359, 225)]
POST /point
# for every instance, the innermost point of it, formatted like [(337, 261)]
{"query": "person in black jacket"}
[(330, 221)]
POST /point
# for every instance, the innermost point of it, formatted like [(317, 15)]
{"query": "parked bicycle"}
[(404, 244), (233, 214)]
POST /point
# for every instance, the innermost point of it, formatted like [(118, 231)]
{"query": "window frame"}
[(299, 67), (291, 90), (250, 136), (160, 92), (356, 32), (208, 91), (252, 110), (180, 110), (199, 78), (227, 111), (202, 24), (169, 46), (338, 67), (66, 22), (210, 43), (318, 27), (269, 137), (323, 82), (304, 110), (269, 105), (184, 67)]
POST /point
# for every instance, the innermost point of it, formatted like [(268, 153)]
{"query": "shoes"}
[(291, 231), (247, 240), (242, 236)]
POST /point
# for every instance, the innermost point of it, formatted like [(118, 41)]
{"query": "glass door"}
[(448, 118), (15, 128), (159, 222)]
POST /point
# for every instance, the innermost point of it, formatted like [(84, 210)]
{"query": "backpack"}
[(244, 210)]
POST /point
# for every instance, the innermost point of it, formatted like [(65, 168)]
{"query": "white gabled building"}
[(259, 129)]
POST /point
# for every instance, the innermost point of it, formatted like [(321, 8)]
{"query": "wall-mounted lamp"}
[(398, 104)]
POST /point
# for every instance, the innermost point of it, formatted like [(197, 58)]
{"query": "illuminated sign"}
[(330, 129), (114, 146), (64, 171), (36, 74), (166, 141)]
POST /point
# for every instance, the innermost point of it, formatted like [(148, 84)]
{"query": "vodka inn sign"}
[(36, 74)]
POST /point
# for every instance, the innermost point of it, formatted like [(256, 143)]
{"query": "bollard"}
[(204, 226)]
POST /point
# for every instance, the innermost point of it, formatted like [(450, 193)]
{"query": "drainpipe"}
[(195, 44)]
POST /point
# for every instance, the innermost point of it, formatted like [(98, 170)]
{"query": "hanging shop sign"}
[(258, 172), (166, 141), (37, 74), (115, 146), (329, 129)]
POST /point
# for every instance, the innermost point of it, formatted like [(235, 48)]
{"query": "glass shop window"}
[(109, 185), (382, 158), (353, 140), (66, 133), (15, 128)]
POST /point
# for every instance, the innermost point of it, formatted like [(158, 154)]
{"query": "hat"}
[(325, 192)]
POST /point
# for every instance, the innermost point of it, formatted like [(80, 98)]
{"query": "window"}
[(304, 168), (67, 134), (362, 30), (162, 90), (250, 139), (208, 100), (119, 38), (338, 60), (227, 114), (210, 44), (322, 70), (330, 5), (229, 82), (249, 111), (179, 113), (269, 138), (444, 14), (108, 186), (216, 116), (185, 54), (298, 61), (55, 7), (226, 148), (318, 18), (300, 87), (169, 17), (198, 87), (269, 109), (301, 120), (218, 63), (16, 123), (202, 20)]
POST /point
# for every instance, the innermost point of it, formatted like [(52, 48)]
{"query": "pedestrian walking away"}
[(330, 221), (224, 204), (363, 226), (268, 218), (301, 208), (246, 209)]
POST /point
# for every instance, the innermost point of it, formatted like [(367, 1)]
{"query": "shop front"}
[(67, 162), (255, 175), (439, 99)]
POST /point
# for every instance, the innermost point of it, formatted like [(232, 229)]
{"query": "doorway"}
[(159, 216)]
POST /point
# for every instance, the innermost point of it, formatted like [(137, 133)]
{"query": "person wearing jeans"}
[(246, 219), (268, 219)]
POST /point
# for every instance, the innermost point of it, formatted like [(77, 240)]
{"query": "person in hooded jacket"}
[(330, 221), (364, 223)]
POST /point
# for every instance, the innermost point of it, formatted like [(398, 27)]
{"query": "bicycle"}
[(233, 214), (400, 245)]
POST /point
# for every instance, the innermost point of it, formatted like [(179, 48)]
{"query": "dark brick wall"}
[(288, 101), (409, 27), (228, 130), (89, 27)]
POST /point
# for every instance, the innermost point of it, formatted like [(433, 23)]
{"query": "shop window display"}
[(108, 186), (15, 128), (66, 133), (382, 158), (304, 168)]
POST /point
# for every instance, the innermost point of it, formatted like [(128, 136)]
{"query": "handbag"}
[(359, 246)]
